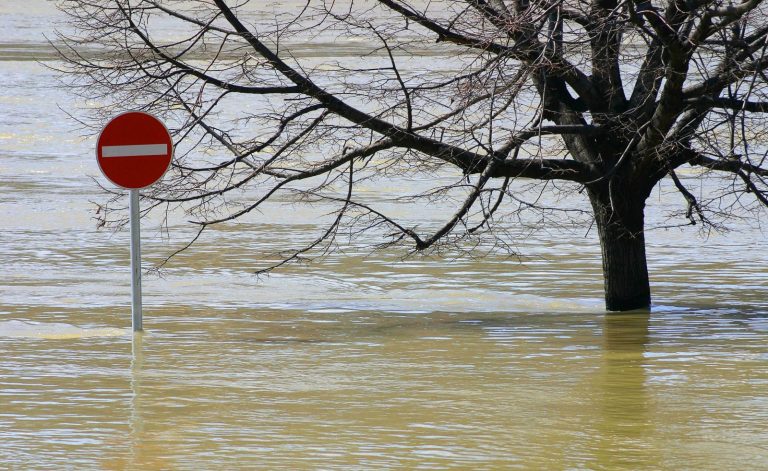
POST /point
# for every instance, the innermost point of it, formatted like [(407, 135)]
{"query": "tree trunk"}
[(620, 227)]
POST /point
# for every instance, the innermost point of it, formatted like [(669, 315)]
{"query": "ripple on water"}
[(55, 330)]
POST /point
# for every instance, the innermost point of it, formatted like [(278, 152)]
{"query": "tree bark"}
[(620, 225)]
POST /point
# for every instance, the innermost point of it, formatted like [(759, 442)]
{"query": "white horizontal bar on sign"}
[(134, 151)]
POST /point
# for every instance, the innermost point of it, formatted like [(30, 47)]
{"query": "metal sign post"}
[(136, 315), (134, 151)]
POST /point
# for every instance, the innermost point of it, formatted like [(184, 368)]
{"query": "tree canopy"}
[(608, 97)]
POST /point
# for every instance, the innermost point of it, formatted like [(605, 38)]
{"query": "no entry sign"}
[(134, 150)]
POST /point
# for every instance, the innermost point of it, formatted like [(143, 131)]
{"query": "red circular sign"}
[(134, 150)]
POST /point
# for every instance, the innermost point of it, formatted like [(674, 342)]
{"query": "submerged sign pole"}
[(134, 151)]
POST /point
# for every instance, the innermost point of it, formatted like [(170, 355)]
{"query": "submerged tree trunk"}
[(620, 227)]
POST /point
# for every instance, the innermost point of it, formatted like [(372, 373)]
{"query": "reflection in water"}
[(624, 423), (136, 422)]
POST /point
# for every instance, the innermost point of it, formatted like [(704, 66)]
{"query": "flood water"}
[(361, 360)]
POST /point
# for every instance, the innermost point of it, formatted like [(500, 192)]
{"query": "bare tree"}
[(603, 96)]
